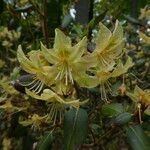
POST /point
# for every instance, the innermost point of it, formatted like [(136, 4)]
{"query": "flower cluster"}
[(64, 66)]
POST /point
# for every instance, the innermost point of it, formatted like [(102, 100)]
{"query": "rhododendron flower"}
[(68, 62), (108, 46)]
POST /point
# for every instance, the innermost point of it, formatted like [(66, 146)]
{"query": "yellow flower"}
[(6, 87), (121, 69), (56, 103), (145, 13), (108, 46), (37, 65), (68, 62), (145, 38), (103, 75), (10, 108), (7, 143), (35, 121), (140, 96), (51, 97), (64, 63)]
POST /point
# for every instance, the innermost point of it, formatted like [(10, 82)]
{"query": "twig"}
[(36, 8), (43, 17), (88, 145), (45, 27)]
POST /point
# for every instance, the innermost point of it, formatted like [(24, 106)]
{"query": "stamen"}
[(28, 84), (55, 116), (51, 113), (139, 112), (66, 77), (62, 73), (70, 75), (35, 85), (39, 88), (58, 75), (109, 87), (103, 93), (104, 61)]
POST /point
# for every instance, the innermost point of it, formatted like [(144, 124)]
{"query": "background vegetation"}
[(123, 123)]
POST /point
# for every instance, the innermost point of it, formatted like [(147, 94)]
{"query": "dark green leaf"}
[(123, 118), (112, 109), (137, 138), (75, 128)]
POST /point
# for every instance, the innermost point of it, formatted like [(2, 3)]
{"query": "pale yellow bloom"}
[(108, 46)]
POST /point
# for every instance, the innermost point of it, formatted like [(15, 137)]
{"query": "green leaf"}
[(123, 118), (75, 128), (45, 142), (112, 109), (137, 138)]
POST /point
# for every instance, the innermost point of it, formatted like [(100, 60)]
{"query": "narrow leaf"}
[(123, 118)]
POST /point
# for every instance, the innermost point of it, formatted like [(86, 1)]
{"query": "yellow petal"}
[(109, 46), (26, 64), (47, 75), (145, 38), (47, 95), (50, 96), (37, 58), (103, 37), (140, 96), (117, 35), (103, 76), (113, 51), (49, 54), (26, 122), (61, 40), (121, 69), (85, 80), (79, 49)]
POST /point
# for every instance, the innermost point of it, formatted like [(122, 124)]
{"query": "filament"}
[(103, 93), (55, 116), (109, 87), (66, 77), (104, 62), (36, 84), (70, 76), (39, 88), (28, 84)]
